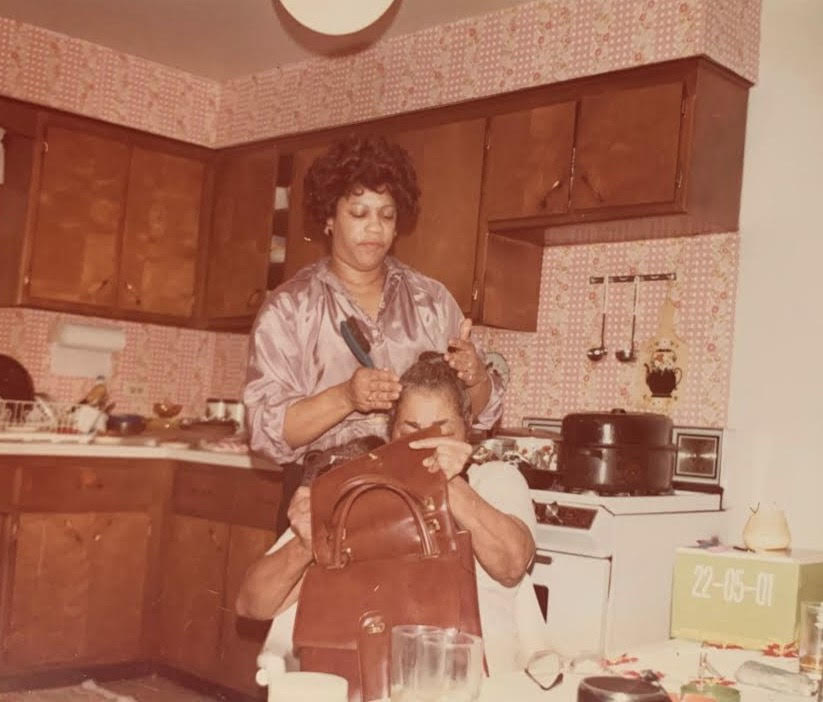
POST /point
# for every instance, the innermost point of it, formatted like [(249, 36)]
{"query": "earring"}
[(327, 230)]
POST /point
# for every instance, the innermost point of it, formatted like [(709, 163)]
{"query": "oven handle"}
[(543, 559)]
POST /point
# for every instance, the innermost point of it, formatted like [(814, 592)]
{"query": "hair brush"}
[(356, 341)]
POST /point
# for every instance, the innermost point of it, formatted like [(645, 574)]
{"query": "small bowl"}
[(126, 424), (167, 409)]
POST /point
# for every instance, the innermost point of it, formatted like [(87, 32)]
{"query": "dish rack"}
[(43, 421)]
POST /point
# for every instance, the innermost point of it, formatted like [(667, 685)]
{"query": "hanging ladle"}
[(597, 352), (630, 354)]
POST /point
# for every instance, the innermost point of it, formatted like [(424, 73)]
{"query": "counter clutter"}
[(675, 663)]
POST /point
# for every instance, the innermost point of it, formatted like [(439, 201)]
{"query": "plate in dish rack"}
[(497, 362)]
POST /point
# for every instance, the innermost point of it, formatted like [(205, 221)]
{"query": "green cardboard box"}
[(743, 598)]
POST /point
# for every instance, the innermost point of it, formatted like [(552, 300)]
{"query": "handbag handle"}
[(354, 488)]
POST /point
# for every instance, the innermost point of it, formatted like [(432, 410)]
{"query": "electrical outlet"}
[(137, 391)]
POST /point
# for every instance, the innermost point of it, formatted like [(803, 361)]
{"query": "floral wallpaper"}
[(53, 69), (551, 374), (157, 363), (530, 44)]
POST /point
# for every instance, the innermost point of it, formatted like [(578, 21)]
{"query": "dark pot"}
[(617, 452), (125, 423)]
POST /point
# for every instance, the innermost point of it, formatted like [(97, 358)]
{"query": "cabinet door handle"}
[(254, 298), (130, 288), (588, 182), (544, 202), (543, 559)]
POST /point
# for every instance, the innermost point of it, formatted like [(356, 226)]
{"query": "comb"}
[(356, 341)]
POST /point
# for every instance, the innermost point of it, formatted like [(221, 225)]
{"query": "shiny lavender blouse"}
[(297, 350)]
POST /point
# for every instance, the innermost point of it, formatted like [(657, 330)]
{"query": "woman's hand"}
[(300, 516), (371, 389), (450, 455), (462, 356)]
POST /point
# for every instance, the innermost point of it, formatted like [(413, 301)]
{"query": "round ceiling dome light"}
[(336, 17)]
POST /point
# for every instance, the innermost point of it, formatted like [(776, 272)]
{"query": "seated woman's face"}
[(418, 409), (363, 228)]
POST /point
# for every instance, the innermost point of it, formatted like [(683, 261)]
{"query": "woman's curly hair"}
[(431, 372), (371, 162)]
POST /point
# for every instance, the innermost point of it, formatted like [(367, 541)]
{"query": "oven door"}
[(573, 593)]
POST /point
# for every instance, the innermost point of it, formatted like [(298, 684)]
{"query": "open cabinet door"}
[(511, 285)]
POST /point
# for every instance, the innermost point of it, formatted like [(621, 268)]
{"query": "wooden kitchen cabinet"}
[(529, 162), (449, 163), (191, 595), (242, 638), (79, 213), (76, 588), (161, 233), (241, 234), (102, 220), (659, 145), (305, 240), (628, 145)]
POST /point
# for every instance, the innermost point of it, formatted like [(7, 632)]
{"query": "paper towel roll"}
[(85, 350)]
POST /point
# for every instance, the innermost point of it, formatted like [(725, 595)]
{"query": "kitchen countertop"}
[(675, 661), (130, 448)]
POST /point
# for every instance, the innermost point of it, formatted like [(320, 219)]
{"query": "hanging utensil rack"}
[(644, 277)]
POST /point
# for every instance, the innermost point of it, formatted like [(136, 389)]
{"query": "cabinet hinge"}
[(475, 292), (679, 181), (683, 106), (27, 280), (488, 143), (45, 147)]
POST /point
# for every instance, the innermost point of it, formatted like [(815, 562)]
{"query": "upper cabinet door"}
[(449, 163), (241, 233), (79, 214), (161, 235), (305, 241), (528, 166), (627, 147)]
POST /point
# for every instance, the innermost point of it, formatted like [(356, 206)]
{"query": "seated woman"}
[(493, 504)]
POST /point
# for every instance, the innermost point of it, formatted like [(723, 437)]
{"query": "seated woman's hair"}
[(431, 372), (362, 161), (318, 462)]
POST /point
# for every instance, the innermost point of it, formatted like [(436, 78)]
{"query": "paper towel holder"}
[(84, 350)]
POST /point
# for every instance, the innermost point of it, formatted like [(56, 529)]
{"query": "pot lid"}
[(617, 427)]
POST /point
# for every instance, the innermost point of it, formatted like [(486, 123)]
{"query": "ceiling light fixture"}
[(336, 17)]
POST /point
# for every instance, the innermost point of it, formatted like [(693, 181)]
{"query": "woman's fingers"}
[(450, 455), (372, 389)]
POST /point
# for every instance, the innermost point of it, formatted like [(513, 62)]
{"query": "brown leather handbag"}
[(387, 551)]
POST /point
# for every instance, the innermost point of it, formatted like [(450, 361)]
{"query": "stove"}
[(603, 567)]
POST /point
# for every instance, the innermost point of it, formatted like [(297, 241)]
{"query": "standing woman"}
[(305, 389)]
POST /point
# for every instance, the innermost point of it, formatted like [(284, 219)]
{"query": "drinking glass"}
[(404, 657), (449, 667), (810, 639)]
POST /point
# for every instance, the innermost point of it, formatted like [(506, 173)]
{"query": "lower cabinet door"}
[(77, 588), (242, 638), (191, 598)]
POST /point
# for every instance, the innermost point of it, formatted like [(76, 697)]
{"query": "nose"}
[(374, 223)]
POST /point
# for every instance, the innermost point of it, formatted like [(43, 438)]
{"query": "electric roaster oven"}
[(609, 521)]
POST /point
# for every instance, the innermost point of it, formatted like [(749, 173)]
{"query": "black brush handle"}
[(356, 342)]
